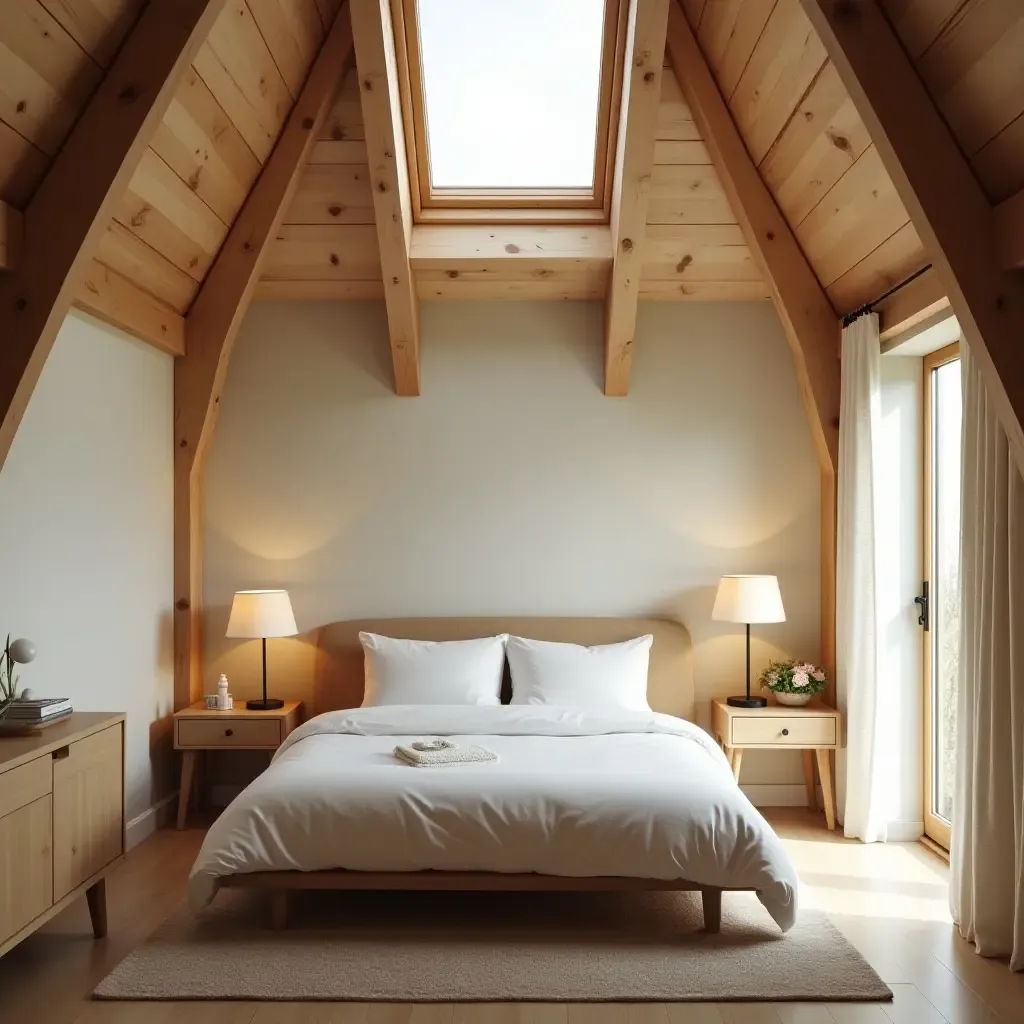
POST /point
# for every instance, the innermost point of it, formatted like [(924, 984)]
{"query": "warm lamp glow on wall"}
[(257, 615), (748, 599)]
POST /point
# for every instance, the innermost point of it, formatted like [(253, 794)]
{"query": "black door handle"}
[(923, 600)]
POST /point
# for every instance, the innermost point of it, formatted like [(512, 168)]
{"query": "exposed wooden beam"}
[(1010, 230), (923, 300), (12, 227), (72, 207), (211, 327), (949, 210), (807, 316), (437, 246), (115, 300), (631, 183), (379, 91)]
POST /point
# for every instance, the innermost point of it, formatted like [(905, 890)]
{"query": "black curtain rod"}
[(868, 307)]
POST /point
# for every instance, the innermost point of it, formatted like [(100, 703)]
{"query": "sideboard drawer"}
[(800, 731), (27, 782), (209, 733)]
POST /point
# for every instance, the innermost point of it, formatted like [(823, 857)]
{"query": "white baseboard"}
[(904, 831), (143, 825)]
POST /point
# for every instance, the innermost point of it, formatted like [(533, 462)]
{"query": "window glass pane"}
[(511, 91), (946, 412)]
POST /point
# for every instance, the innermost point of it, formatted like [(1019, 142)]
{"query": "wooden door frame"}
[(935, 827)]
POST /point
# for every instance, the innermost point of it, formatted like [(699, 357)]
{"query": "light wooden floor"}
[(889, 900)]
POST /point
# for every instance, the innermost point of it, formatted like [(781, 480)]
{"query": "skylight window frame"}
[(484, 205)]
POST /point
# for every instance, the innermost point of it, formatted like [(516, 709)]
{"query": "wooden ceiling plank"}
[(632, 184), (98, 27), (379, 91), (200, 143), (112, 298), (1010, 230), (273, 290), (704, 291), (288, 36), (332, 194), (325, 252), (948, 207), (729, 31), (73, 205), (999, 164), (211, 327), (784, 63), (807, 316), (46, 78)]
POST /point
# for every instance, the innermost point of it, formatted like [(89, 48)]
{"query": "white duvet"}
[(573, 792)]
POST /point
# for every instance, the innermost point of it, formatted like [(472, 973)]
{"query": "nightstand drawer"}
[(800, 730), (239, 732)]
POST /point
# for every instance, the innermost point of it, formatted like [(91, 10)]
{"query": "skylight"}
[(512, 99)]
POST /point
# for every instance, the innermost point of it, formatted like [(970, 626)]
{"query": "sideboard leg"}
[(96, 896)]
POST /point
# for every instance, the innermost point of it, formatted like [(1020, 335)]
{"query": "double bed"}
[(579, 798)]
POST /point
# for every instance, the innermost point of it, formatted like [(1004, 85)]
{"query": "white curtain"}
[(987, 855), (857, 598)]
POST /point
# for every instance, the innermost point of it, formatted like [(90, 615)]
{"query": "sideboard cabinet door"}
[(88, 808), (25, 878)]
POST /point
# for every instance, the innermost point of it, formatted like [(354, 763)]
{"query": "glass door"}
[(942, 412)]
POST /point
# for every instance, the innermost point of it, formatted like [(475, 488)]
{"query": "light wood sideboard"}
[(61, 821)]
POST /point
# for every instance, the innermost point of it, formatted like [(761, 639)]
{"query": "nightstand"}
[(197, 728), (814, 728)]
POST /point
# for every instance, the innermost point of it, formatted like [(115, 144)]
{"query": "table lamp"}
[(257, 615), (748, 599)]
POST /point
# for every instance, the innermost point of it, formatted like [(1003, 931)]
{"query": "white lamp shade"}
[(261, 613), (748, 599)]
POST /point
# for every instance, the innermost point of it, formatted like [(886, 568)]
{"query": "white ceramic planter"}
[(794, 700)]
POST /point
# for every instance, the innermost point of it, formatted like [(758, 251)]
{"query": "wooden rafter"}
[(75, 201), (211, 327), (807, 316), (949, 210), (379, 91), (631, 183)]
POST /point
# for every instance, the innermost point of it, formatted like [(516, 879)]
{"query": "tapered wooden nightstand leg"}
[(737, 760), (188, 766), (812, 796), (96, 897), (825, 771)]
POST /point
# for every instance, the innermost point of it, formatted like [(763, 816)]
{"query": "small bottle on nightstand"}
[(223, 700)]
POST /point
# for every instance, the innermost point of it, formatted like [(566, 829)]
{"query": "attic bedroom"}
[(510, 511)]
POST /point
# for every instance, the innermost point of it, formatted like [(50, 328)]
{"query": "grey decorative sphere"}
[(23, 651)]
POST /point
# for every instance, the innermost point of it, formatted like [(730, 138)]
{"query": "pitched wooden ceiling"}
[(797, 121)]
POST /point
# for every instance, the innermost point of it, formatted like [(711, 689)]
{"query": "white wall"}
[(86, 541), (513, 485)]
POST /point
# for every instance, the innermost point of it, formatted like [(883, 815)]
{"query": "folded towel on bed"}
[(436, 753)]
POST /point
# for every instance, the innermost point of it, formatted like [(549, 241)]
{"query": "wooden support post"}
[(75, 202), (947, 206), (379, 92), (12, 227), (631, 184), (210, 330), (807, 316)]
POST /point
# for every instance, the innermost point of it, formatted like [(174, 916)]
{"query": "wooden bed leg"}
[(712, 900), (279, 909)]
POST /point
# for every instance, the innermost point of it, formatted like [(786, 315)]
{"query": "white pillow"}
[(608, 676), (426, 672)]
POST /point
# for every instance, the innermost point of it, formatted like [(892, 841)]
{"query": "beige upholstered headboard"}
[(339, 676)]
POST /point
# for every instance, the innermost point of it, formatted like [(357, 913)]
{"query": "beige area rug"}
[(441, 947)]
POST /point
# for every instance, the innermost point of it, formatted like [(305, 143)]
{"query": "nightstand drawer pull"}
[(208, 733), (785, 732)]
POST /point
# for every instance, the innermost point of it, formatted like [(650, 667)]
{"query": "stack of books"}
[(38, 712)]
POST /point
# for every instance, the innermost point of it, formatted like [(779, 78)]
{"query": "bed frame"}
[(280, 883), (339, 684)]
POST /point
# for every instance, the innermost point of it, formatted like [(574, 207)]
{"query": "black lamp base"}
[(264, 704), (747, 702)]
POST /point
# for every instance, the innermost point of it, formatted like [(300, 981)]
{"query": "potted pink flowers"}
[(793, 682)]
